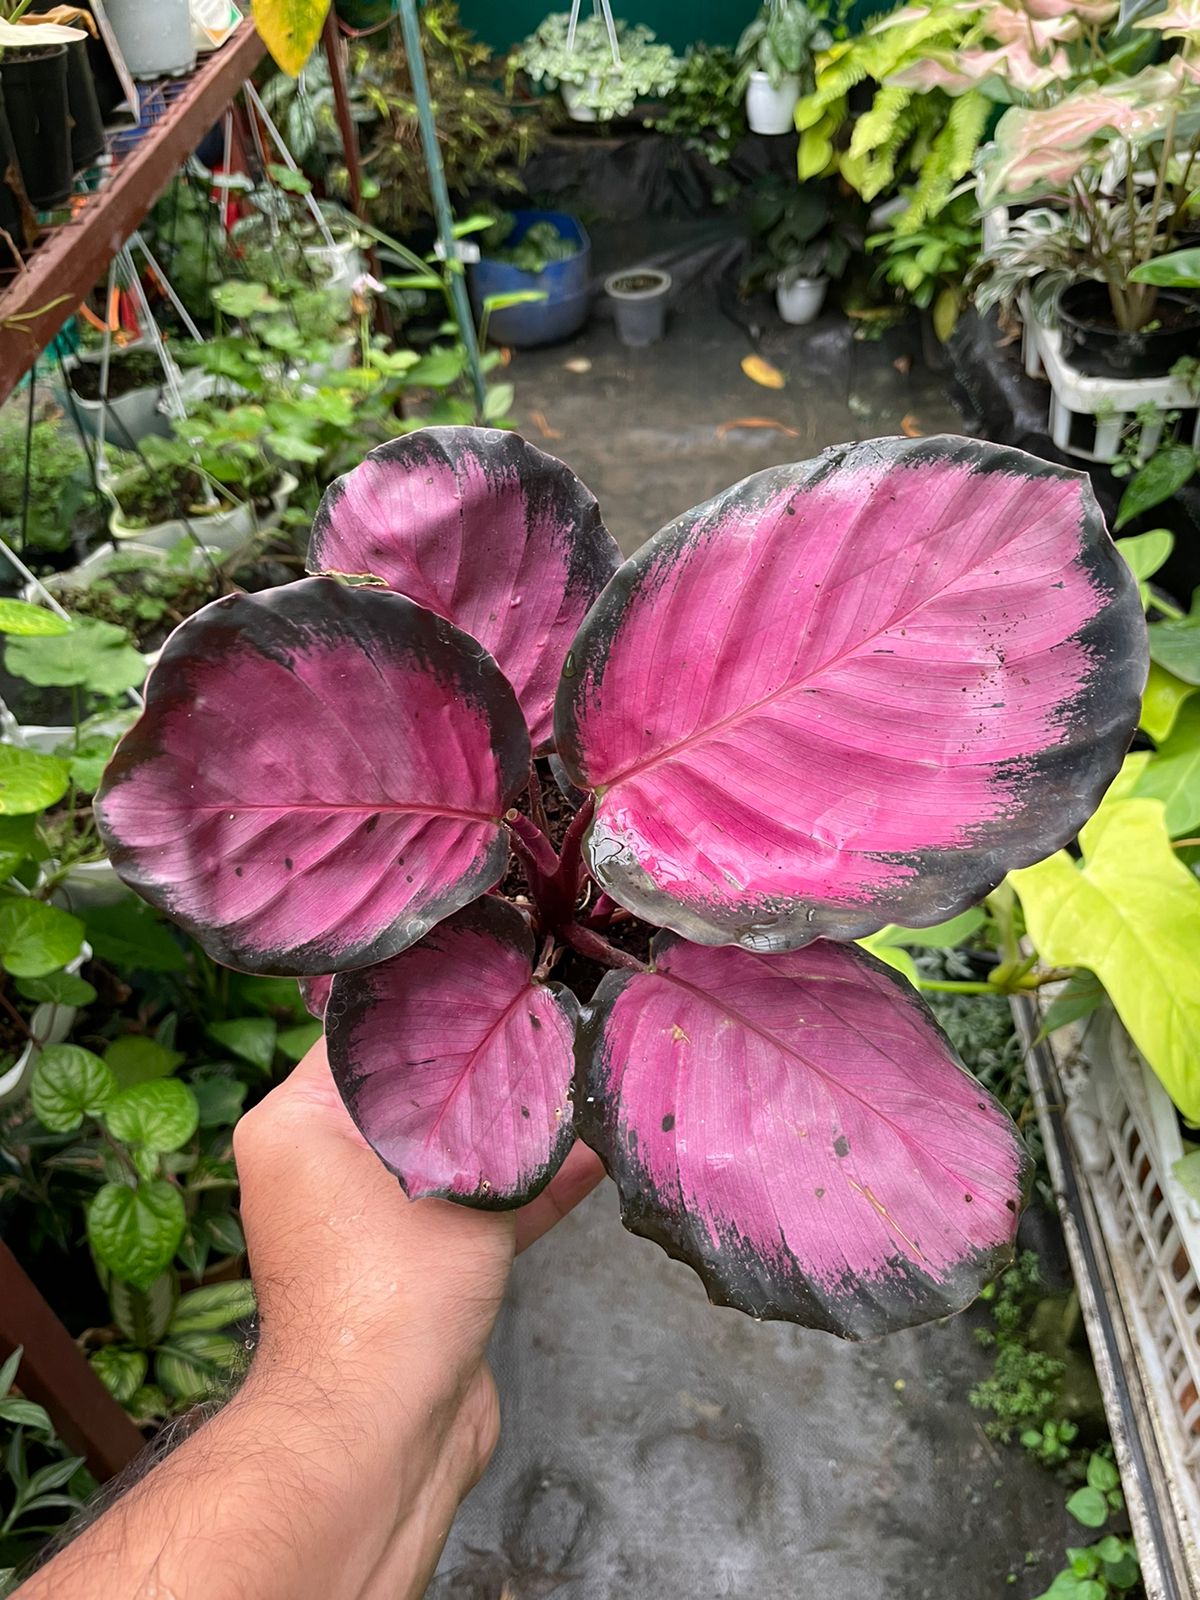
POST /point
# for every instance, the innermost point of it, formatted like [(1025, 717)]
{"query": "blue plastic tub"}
[(566, 285)]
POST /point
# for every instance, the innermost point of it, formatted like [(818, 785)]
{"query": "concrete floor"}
[(654, 1446)]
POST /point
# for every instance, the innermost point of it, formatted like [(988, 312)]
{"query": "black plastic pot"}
[(35, 95), (10, 201), (87, 125), (1092, 343)]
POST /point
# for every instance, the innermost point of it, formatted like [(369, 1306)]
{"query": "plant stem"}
[(537, 804), (589, 943), (537, 846), (1183, 844), (15, 1015), (570, 860)]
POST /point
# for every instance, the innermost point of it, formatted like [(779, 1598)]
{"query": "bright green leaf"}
[(134, 1058), (135, 1231), (30, 621), (1089, 1507), (438, 370), (892, 956), (57, 988), (1176, 645), (288, 179), (1102, 1473), (161, 1115), (192, 1366), (89, 759), (241, 298), (497, 402), (121, 1371), (18, 837), (36, 938), (1161, 702), (251, 1038), (1173, 773), (1131, 914), (30, 781), (1144, 553), (69, 1083), (1080, 996), (94, 655), (1178, 269), (941, 936), (214, 1306)]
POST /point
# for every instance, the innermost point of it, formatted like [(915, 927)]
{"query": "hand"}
[(375, 1308)]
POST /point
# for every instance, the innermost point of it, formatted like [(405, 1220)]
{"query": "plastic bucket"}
[(566, 285), (35, 98)]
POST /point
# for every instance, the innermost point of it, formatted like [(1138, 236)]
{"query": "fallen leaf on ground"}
[(578, 364), (538, 418), (755, 422), (910, 427), (760, 371), (903, 364)]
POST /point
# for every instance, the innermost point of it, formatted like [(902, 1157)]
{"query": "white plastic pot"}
[(129, 418), (800, 300), (227, 529), (575, 98), (771, 110), (339, 265), (155, 36), (49, 1024)]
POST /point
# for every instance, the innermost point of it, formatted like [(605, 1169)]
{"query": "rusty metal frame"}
[(72, 258)]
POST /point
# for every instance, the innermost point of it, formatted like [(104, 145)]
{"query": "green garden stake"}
[(441, 197)]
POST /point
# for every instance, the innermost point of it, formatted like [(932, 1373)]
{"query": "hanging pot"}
[(771, 110), (155, 36), (35, 98), (1093, 344), (800, 299)]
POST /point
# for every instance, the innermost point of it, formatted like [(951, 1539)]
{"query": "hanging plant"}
[(588, 71), (843, 693)]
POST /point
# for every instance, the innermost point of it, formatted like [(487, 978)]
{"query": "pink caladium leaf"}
[(456, 1063), (852, 692), (800, 1132), (318, 777), (484, 529)]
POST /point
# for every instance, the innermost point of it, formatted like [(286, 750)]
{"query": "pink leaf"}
[(799, 1131), (484, 529), (315, 993), (318, 777), (456, 1064), (851, 692)]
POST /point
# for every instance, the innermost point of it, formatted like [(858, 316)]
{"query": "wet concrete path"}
[(654, 1446)]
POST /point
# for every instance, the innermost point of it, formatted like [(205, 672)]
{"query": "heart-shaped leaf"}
[(484, 529), (135, 1231), (798, 1130), (852, 692), (456, 1063), (318, 777)]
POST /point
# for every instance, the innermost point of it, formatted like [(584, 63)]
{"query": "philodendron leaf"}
[(850, 692), (1164, 696), (1130, 912), (318, 778), (798, 1130), (484, 529), (456, 1063), (135, 1231), (1175, 646), (1173, 773)]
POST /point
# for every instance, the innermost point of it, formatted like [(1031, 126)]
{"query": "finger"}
[(574, 1180)]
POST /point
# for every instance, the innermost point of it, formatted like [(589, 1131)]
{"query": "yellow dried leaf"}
[(760, 371), (290, 29)]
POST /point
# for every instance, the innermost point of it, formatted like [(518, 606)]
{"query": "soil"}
[(626, 932), (12, 1040), (127, 371), (637, 283)]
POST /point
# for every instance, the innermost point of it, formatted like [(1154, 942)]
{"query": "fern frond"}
[(875, 127), (951, 155)]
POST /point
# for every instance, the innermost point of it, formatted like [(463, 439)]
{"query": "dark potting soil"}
[(636, 282), (579, 973), (127, 371)]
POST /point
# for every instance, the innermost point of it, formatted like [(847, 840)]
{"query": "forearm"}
[(287, 1494)]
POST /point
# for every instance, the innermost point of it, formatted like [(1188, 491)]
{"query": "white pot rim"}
[(660, 286)]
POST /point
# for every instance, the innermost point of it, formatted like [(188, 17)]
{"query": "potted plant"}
[(33, 71), (544, 256), (136, 388), (704, 104), (775, 56), (803, 238), (1112, 325), (928, 268), (736, 789), (600, 76), (51, 503)]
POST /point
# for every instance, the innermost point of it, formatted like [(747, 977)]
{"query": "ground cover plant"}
[(844, 693)]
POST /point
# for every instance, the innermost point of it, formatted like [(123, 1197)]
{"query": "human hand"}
[(376, 1309)]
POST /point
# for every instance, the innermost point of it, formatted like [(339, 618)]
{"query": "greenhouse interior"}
[(600, 800)]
